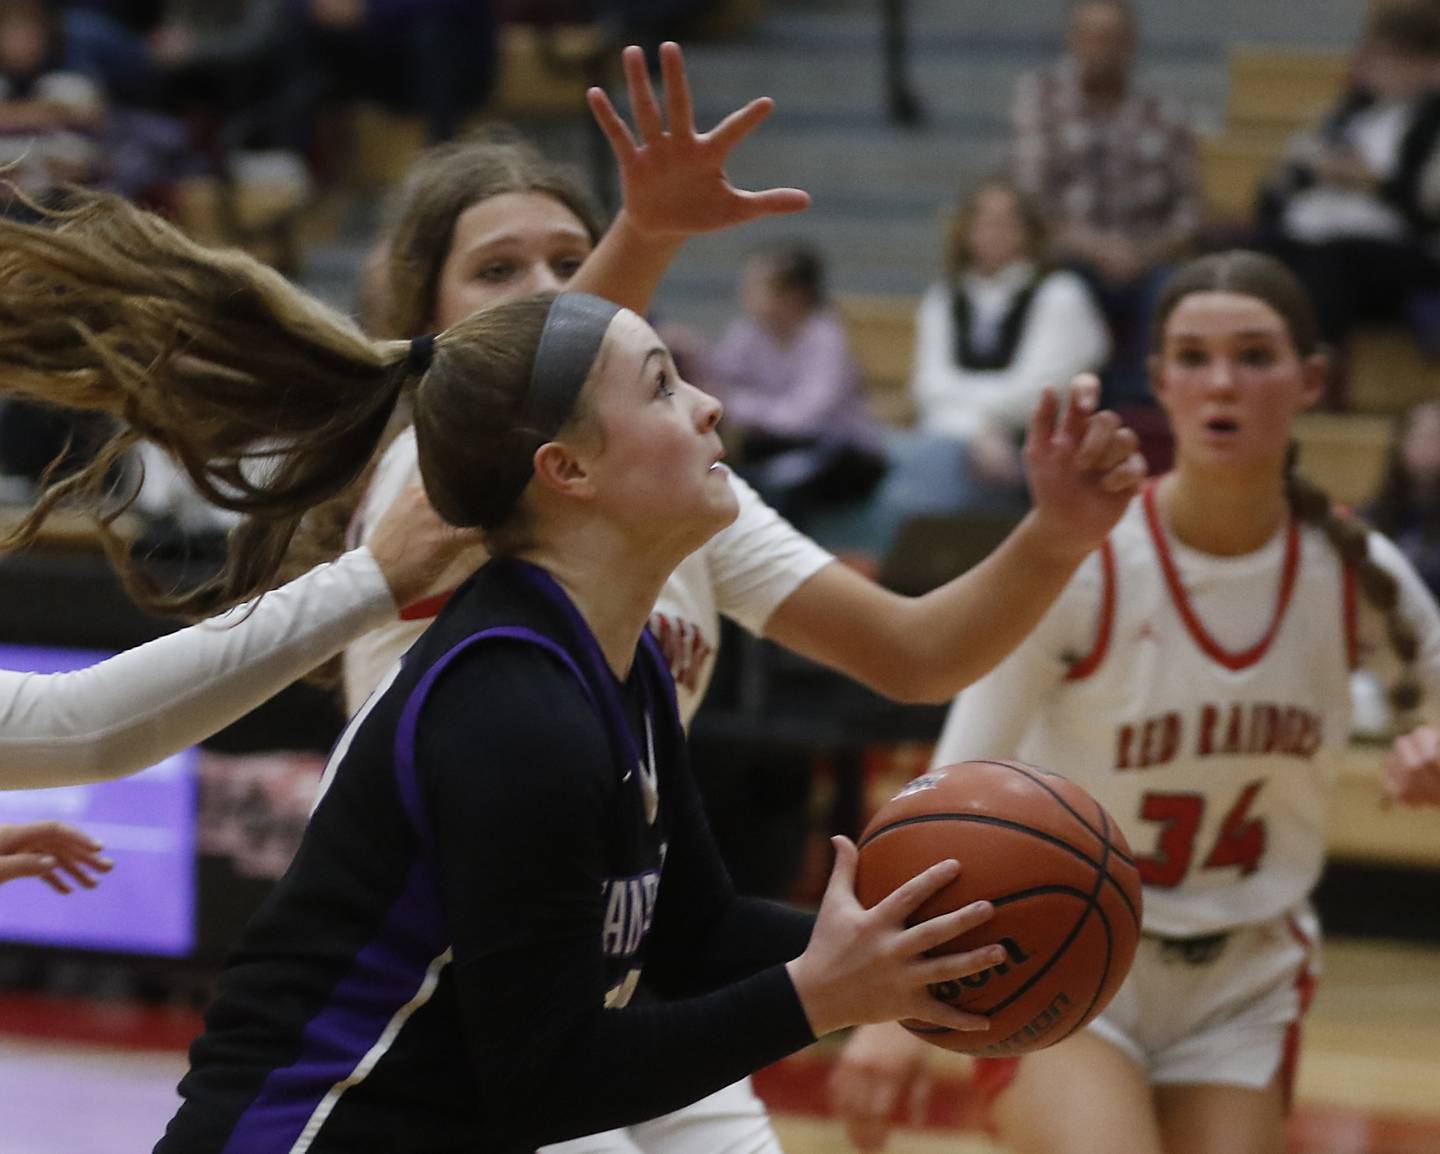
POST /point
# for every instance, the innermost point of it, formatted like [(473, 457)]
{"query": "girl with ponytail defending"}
[(1194, 677)]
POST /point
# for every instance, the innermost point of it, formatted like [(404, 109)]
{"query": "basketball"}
[(1056, 868)]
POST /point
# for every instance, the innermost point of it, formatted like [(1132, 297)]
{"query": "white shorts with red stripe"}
[(1221, 1010), (1218, 1010)]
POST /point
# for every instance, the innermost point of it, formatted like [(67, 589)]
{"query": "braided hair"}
[(1254, 275)]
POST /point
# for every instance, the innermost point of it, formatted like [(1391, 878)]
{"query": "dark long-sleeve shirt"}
[(510, 841)]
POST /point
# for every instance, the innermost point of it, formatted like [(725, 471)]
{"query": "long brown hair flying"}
[(269, 400), (1266, 279)]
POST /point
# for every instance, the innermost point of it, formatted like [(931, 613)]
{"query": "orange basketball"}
[(1059, 873)]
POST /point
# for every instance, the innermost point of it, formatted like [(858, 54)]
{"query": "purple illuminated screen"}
[(146, 904)]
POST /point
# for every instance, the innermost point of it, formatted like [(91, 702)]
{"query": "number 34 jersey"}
[(1204, 701)]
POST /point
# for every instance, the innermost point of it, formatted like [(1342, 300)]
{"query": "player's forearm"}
[(927, 649), (627, 265), (959, 632), (554, 1074), (143, 705)]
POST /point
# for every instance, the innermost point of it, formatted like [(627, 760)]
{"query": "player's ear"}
[(561, 470)]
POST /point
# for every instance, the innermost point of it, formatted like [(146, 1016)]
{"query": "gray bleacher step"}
[(1162, 22), (970, 89)]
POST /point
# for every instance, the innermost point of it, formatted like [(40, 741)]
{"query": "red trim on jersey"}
[(1352, 628), (1212, 648), (1091, 661), (427, 608), (1305, 985)]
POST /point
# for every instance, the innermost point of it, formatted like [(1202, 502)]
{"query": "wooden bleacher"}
[(1278, 90), (1345, 453), (882, 336)]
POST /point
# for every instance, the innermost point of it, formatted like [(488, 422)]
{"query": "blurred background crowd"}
[(999, 190)]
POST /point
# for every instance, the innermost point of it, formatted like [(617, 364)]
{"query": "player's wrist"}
[(1043, 540), (815, 999)]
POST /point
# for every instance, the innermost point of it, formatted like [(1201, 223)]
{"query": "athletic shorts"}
[(1224, 1009), (730, 1121)]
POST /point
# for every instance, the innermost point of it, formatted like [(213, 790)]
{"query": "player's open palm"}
[(1083, 466), (1412, 767), (672, 178), (870, 965), (50, 850)]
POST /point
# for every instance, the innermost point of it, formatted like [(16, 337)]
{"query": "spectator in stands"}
[(792, 388), (990, 336), (51, 116), (1355, 207), (434, 58), (58, 121), (1408, 508), (1114, 169)]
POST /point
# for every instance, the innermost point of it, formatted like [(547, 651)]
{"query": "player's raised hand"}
[(870, 965), (49, 850), (1412, 767), (1083, 466), (672, 178), (881, 1070)]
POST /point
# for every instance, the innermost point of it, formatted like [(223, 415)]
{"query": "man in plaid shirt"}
[(1114, 168)]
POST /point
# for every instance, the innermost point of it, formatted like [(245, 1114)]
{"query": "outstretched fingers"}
[(642, 96), (1081, 402), (1043, 420), (739, 124), (616, 131), (679, 104)]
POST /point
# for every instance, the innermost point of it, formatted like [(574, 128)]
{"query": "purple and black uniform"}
[(511, 838)]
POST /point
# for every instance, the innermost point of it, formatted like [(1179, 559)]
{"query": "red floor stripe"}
[(798, 1086), (124, 1025)]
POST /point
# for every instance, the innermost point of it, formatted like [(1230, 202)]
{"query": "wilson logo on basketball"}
[(952, 992)]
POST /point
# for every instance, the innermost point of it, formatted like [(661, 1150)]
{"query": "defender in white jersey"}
[(1195, 677), (479, 223)]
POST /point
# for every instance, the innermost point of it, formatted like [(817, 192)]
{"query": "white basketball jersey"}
[(1217, 763)]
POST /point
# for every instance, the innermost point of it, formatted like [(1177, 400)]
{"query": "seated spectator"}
[(792, 388), (1114, 170), (433, 58), (1355, 207), (989, 338), (1408, 508), (58, 124), (51, 117)]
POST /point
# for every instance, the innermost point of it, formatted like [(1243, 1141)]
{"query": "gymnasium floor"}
[(99, 1078)]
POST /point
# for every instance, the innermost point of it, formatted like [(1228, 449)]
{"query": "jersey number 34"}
[(1240, 842)]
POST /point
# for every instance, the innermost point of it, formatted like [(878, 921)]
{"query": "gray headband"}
[(575, 328), (574, 331)]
